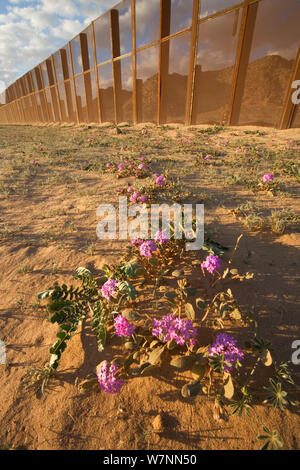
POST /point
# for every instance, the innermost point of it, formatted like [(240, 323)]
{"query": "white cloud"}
[(31, 30)]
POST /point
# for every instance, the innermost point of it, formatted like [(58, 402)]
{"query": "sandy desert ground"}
[(52, 180)]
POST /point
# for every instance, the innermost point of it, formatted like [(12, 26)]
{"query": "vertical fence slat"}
[(57, 89), (84, 50), (242, 59), (73, 80), (159, 64), (164, 48), (33, 97), (191, 73), (96, 72), (115, 51), (42, 91), (289, 107), (133, 33)]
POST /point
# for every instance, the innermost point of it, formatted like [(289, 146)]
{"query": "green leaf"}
[(182, 363), (61, 335), (267, 358), (190, 312), (199, 371), (191, 291), (88, 384), (191, 389), (228, 386), (45, 294), (153, 261), (147, 368), (128, 361), (177, 273), (170, 295), (127, 288), (155, 355), (139, 369), (236, 314)]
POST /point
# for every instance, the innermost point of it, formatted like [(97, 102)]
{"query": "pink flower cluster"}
[(212, 264), (137, 168), (267, 178), (147, 248), (107, 380), (136, 242), (159, 179), (162, 237), (173, 328), (108, 289), (123, 327), (143, 167), (136, 196), (226, 345)]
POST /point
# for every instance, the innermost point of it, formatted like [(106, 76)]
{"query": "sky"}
[(31, 30)]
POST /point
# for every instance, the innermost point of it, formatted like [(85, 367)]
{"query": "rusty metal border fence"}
[(80, 84)]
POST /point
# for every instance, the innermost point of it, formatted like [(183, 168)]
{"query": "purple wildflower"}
[(123, 327), (107, 380), (212, 264), (136, 241), (133, 198), (109, 288), (162, 237), (108, 165), (143, 198), (147, 247), (160, 180), (173, 328), (267, 178), (121, 167), (226, 345)]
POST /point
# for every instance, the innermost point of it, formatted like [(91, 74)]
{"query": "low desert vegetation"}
[(155, 310)]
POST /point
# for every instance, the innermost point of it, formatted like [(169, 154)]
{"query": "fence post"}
[(96, 73), (191, 76), (57, 89), (73, 81), (289, 107), (164, 50), (133, 35), (242, 59), (115, 49)]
